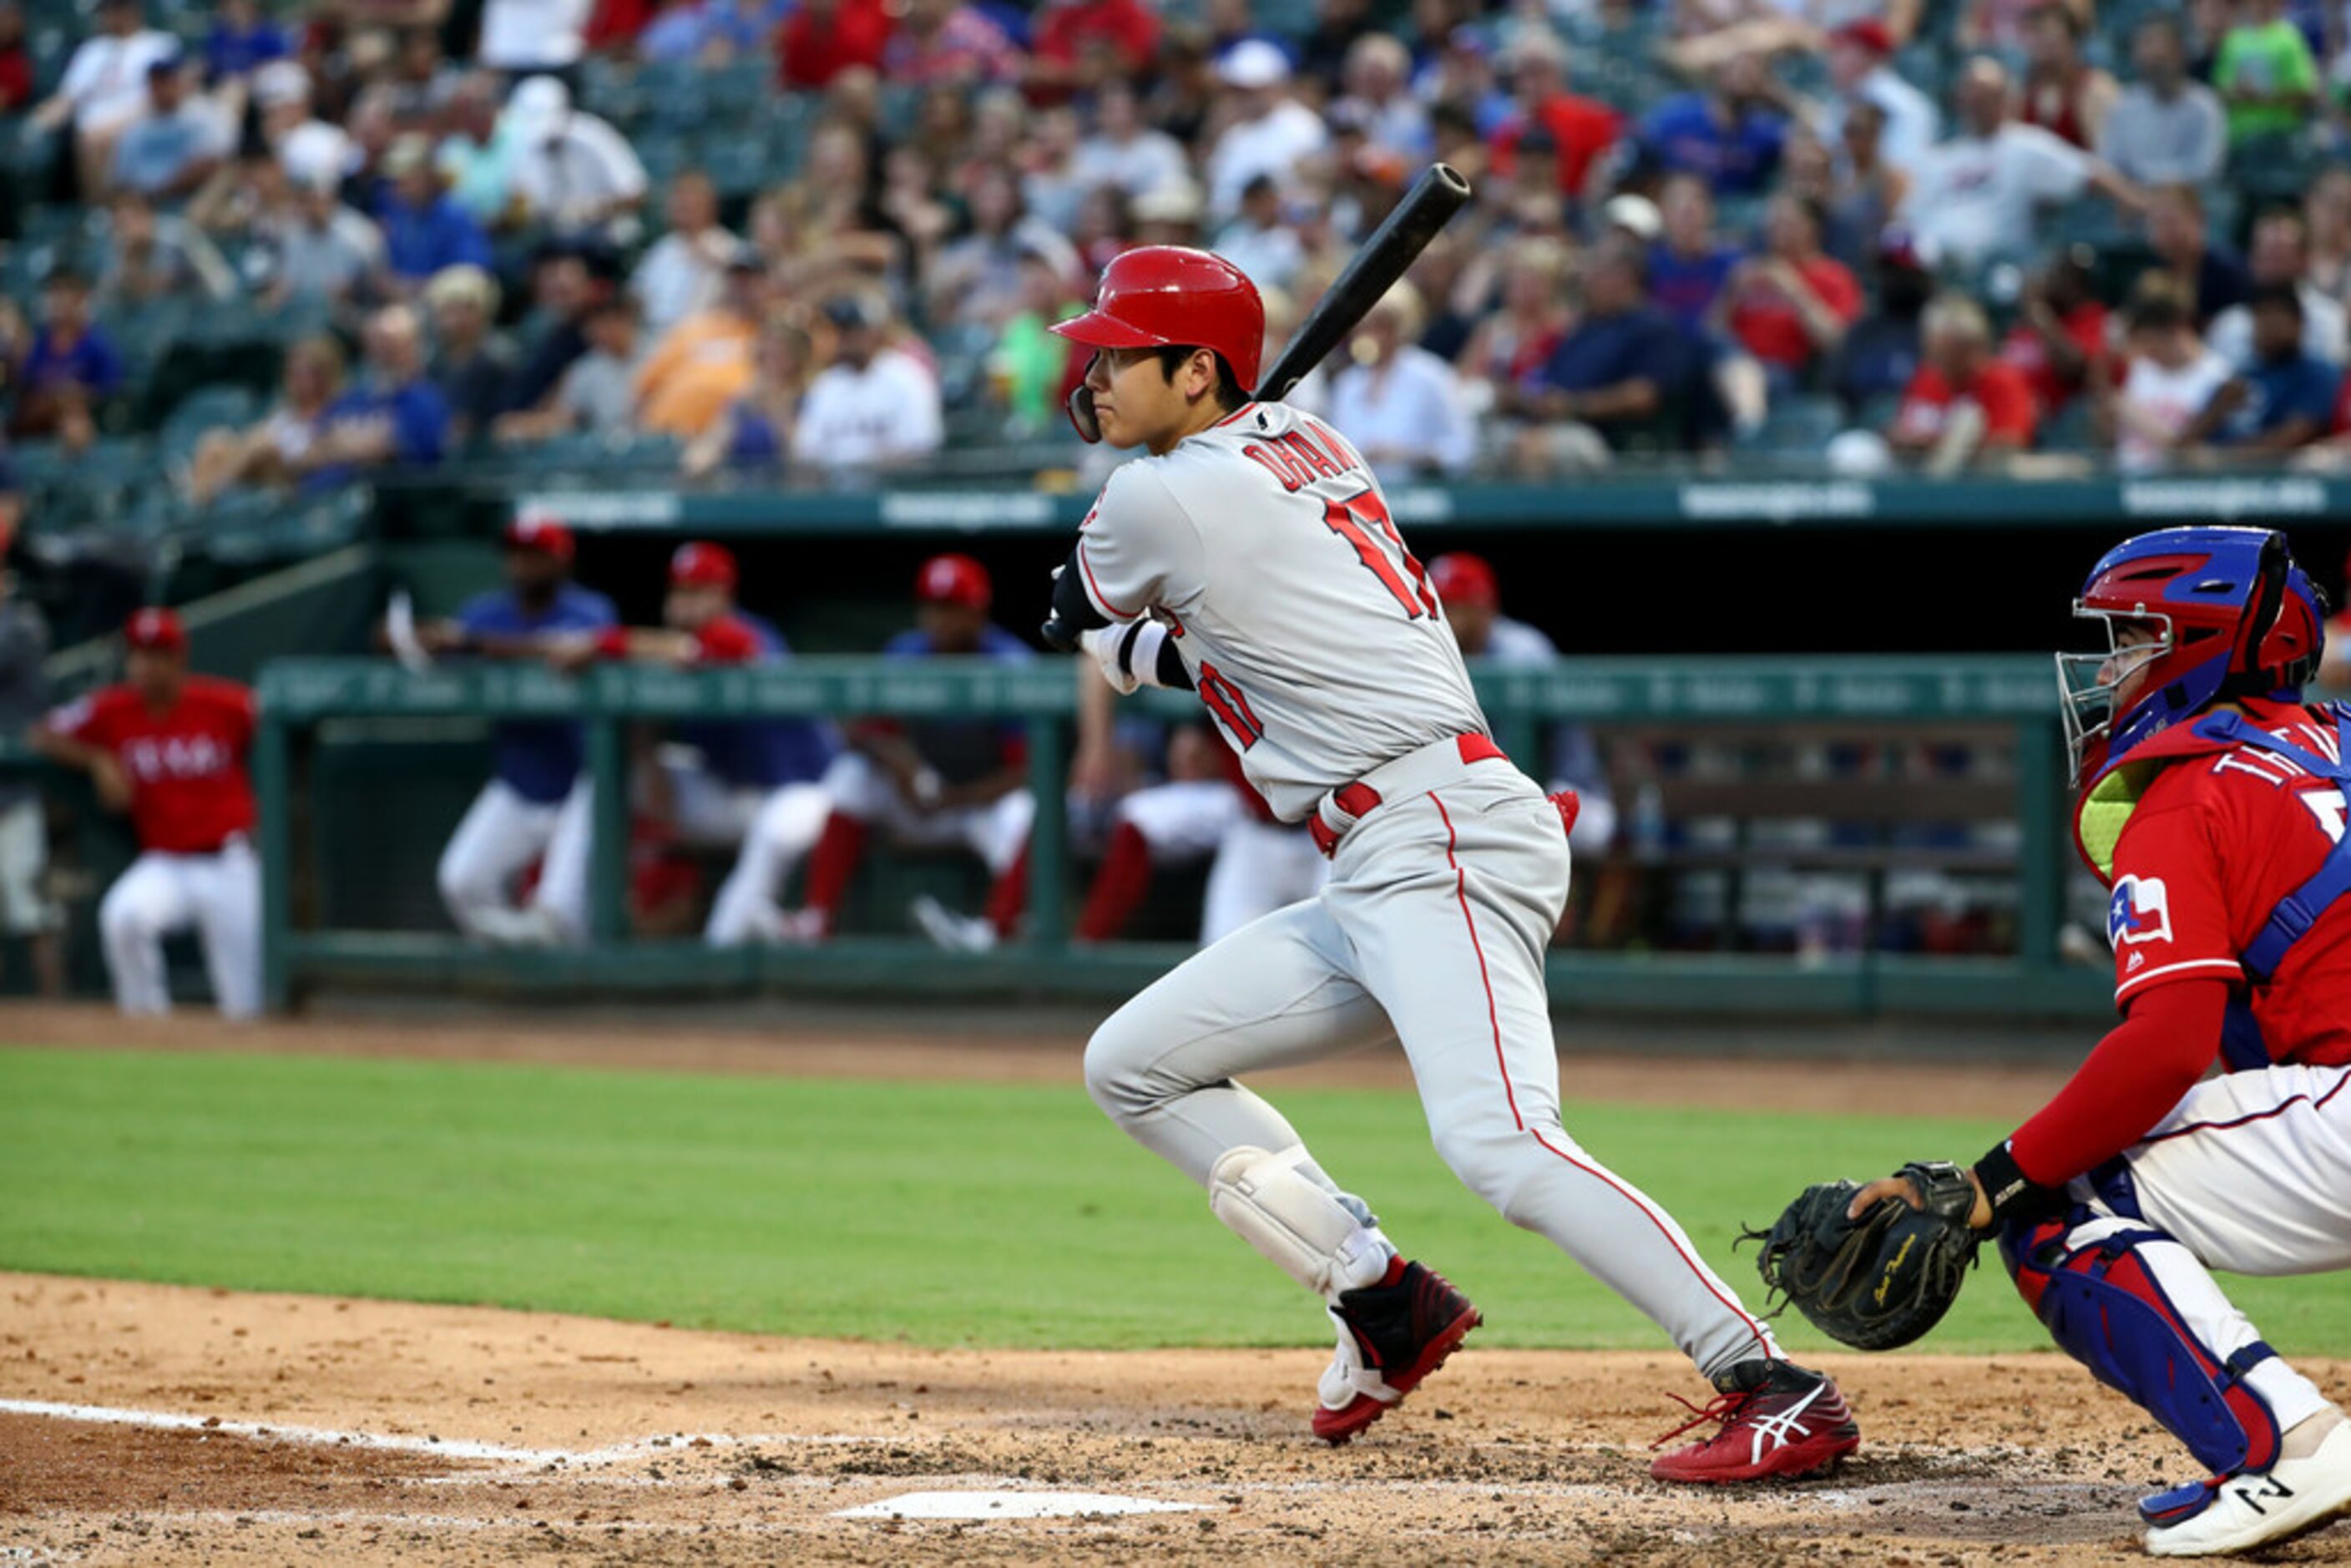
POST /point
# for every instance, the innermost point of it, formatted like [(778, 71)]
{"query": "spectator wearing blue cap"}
[(70, 369)]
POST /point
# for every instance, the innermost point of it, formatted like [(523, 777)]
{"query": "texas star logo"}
[(2140, 912)]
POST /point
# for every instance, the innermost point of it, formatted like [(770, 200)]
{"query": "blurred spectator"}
[(1123, 150), (425, 230), (2281, 258), (1580, 129), (1861, 69), (2167, 127), (2283, 398), (911, 204), (685, 269), (1029, 367), (710, 32), (1965, 405), (1616, 377), (150, 255), (756, 431), (1509, 347), (1865, 191), (2213, 277), (1171, 214), (317, 248), (522, 37), (826, 37), (105, 85), (306, 147), (1728, 132), (2059, 341), (1321, 54), (243, 39), (2265, 73), (598, 394), (2171, 378), (1376, 78), (949, 41), (1791, 305), (1689, 265), (1257, 240), (571, 170), (1401, 405), (15, 61), (1050, 187), (27, 911), (2327, 210), (70, 371), (394, 418), (477, 155), (423, 82), (572, 278), (873, 406), (2004, 27), (271, 452), (1880, 355), (471, 362), (1978, 194), (175, 141), (976, 280), (1270, 132), (1081, 44), (703, 362), (2062, 93)]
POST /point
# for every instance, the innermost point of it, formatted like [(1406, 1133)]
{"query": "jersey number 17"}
[(1363, 521)]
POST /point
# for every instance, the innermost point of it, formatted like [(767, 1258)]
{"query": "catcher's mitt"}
[(1881, 1280)]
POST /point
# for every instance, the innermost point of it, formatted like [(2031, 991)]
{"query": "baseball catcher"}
[(2212, 800)]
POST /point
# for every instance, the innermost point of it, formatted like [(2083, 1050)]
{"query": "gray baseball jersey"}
[(1308, 628), (1267, 548)]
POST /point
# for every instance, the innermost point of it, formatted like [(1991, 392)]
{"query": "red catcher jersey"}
[(2216, 840), (189, 792)]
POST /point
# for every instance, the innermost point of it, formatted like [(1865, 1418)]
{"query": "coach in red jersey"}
[(2212, 802), (170, 748)]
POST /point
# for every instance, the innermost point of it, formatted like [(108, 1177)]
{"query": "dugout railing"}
[(302, 699)]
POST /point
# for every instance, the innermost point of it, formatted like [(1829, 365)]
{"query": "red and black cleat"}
[(1392, 1335), (1779, 1422)]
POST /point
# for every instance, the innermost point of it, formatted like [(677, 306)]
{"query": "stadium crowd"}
[(820, 240)]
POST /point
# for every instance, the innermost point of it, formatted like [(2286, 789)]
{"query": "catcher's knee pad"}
[(2096, 1285), (1271, 1202)]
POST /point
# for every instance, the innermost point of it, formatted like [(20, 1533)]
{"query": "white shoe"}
[(2249, 1509), (955, 933), (790, 928)]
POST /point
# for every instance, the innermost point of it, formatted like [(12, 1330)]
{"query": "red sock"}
[(1010, 896), (1119, 887), (832, 862)]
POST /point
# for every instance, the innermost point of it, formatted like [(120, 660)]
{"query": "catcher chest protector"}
[(2102, 1300)]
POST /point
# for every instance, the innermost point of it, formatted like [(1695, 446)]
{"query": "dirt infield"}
[(530, 1438), (158, 1425)]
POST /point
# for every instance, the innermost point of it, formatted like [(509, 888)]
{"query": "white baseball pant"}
[(1433, 929), (24, 909), (996, 832), (219, 895), (789, 823), (501, 833)]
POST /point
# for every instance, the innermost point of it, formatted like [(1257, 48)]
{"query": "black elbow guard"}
[(1072, 612)]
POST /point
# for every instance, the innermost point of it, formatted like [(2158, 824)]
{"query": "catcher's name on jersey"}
[(1309, 630)]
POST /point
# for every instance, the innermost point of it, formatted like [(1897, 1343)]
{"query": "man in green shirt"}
[(2265, 73)]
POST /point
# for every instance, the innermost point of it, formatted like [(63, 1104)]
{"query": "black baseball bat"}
[(1402, 235)]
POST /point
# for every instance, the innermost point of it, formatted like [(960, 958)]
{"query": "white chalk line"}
[(446, 1449)]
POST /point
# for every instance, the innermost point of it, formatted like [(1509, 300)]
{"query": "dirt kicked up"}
[(145, 1424)]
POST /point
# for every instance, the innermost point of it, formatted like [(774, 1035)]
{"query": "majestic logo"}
[(2141, 911)]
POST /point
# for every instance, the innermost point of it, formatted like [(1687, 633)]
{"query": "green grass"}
[(941, 1213)]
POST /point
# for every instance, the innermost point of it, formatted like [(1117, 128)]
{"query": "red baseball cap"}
[(1868, 32), (703, 566), (954, 579), (540, 531), (157, 629), (1465, 579)]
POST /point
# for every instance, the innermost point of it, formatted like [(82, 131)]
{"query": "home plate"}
[(1007, 1505)]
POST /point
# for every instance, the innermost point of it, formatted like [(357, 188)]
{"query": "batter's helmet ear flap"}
[(1081, 414)]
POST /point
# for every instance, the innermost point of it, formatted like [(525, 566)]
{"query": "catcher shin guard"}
[(2136, 1307), (1300, 1225)]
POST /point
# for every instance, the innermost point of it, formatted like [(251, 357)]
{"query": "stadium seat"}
[(206, 409), (1799, 424)]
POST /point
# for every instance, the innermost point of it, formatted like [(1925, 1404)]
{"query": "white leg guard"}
[(1297, 1224)]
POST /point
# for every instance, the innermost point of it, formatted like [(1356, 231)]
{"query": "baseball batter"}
[(170, 748), (1250, 555), (2213, 801)]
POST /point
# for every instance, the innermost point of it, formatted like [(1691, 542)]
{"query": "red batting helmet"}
[(1158, 296), (954, 579)]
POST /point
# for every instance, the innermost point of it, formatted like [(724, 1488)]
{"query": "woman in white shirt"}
[(2172, 377), (1401, 405)]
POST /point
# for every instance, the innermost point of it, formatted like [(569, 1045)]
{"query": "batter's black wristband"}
[(1171, 673), (1126, 648), (2014, 1195)]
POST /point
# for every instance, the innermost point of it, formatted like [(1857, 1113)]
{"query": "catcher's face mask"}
[(2089, 684)]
